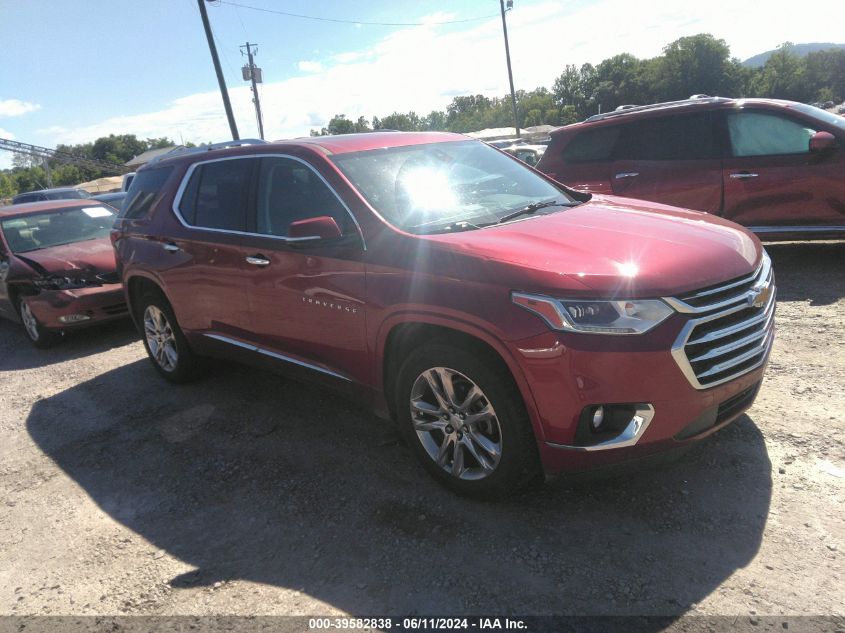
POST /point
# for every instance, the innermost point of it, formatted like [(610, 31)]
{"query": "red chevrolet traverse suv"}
[(511, 326), (776, 167)]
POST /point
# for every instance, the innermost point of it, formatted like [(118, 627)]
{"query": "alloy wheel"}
[(455, 423), (29, 322), (160, 338)]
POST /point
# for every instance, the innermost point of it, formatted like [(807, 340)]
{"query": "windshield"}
[(445, 186), (822, 115), (53, 228)]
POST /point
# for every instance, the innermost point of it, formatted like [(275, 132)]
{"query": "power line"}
[(339, 21)]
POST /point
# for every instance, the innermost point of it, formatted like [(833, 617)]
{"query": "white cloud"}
[(307, 66), (422, 68), (16, 107)]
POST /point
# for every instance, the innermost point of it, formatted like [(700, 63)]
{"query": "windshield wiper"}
[(532, 208)]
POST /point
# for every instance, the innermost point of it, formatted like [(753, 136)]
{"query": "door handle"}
[(627, 174), (743, 175), (258, 260), (170, 247)]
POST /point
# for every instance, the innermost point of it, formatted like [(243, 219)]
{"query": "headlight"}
[(626, 316)]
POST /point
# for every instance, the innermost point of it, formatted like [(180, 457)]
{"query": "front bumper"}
[(98, 303), (568, 372)]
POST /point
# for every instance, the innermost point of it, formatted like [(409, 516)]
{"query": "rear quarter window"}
[(592, 146), (144, 191)]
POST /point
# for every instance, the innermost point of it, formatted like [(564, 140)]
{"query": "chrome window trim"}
[(276, 355), (796, 229), (177, 199), (643, 415)]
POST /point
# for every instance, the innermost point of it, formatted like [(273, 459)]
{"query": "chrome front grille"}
[(730, 330)]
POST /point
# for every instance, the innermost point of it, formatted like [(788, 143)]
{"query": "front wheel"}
[(466, 422), (37, 334), (165, 343)]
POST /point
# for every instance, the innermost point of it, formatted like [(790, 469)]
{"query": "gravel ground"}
[(249, 494)]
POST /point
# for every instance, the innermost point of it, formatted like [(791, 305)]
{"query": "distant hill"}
[(801, 50)]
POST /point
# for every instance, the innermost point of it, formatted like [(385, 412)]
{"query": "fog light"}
[(73, 318), (598, 417)]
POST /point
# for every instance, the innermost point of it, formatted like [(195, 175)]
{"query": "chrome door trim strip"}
[(795, 229), (187, 178), (266, 352)]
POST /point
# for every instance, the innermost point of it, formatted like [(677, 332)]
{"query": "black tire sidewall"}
[(519, 463)]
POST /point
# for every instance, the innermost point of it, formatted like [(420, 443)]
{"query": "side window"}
[(289, 191), (683, 137), (143, 192), (592, 146), (217, 194), (764, 134)]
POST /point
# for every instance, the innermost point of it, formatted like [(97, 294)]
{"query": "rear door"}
[(202, 259), (772, 179), (672, 159), (585, 161), (306, 296)]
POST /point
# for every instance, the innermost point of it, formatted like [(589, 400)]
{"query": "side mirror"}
[(322, 226), (822, 142)]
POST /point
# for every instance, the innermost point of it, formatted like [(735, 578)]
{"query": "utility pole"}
[(508, 57), (220, 80), (253, 74)]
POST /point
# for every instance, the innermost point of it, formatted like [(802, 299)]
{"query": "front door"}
[(306, 297), (772, 179)]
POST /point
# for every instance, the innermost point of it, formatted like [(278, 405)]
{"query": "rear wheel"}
[(37, 334), (466, 422), (165, 343)]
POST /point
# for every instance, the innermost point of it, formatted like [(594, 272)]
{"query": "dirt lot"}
[(247, 494)]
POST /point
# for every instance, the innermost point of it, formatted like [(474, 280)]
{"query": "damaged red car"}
[(57, 268)]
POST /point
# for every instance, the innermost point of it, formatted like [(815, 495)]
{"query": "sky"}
[(75, 71)]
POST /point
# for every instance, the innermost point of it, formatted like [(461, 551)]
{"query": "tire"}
[(481, 447), (40, 336), (164, 341)]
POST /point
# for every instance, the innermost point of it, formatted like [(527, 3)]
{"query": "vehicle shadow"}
[(809, 270), (248, 476), (16, 352)]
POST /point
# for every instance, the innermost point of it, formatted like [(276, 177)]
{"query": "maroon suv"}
[(776, 167), (509, 325)]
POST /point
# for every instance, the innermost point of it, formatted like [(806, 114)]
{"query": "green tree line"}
[(698, 64)]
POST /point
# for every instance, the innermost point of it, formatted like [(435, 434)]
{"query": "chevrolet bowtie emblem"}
[(760, 296)]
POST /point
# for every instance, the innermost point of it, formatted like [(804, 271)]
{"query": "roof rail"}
[(695, 100), (207, 148)]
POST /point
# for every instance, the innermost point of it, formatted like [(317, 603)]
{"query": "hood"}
[(613, 246), (93, 256)]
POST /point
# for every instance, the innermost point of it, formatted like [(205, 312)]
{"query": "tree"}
[(397, 121), (568, 89), (782, 77), (698, 64), (435, 120), (619, 81), (8, 187)]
